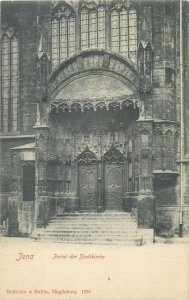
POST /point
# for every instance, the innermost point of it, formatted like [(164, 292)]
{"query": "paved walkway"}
[(175, 239)]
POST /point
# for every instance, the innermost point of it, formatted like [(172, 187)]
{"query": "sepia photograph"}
[(94, 150)]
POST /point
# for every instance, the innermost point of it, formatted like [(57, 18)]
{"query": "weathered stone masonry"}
[(97, 115)]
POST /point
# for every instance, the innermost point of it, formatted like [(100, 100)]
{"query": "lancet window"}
[(124, 31), (9, 79), (63, 35), (93, 32)]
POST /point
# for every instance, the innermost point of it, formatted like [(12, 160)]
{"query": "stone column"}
[(100, 206), (165, 177), (185, 184), (41, 203), (15, 196), (145, 156)]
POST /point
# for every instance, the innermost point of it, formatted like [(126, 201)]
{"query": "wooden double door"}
[(105, 189)]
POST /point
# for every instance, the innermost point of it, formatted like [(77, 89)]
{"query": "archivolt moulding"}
[(93, 61)]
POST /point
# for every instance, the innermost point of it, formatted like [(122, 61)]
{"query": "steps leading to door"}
[(116, 228)]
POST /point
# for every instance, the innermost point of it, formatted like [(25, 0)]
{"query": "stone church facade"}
[(94, 112)]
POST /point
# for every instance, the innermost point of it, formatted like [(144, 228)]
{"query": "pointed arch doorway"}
[(113, 162), (111, 186), (87, 175)]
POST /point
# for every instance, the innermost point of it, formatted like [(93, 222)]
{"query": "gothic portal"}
[(91, 112)]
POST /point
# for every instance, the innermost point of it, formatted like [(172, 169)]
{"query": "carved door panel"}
[(113, 177), (88, 187)]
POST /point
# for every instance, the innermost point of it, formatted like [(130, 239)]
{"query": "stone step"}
[(92, 222), (137, 242), (92, 219), (95, 215), (101, 224), (145, 232), (105, 213), (147, 235), (92, 228), (88, 230), (118, 240), (84, 229), (86, 234), (88, 237), (94, 242)]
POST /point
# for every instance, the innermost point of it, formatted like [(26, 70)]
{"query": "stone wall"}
[(6, 170), (161, 100), (3, 207), (186, 73), (186, 101), (20, 217), (6, 159), (164, 61), (23, 15), (26, 217), (167, 220)]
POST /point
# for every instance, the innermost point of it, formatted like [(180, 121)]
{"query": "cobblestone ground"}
[(32, 270)]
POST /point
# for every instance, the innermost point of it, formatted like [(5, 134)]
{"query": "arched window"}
[(84, 29), (9, 79), (63, 35), (93, 33), (124, 31), (101, 33)]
